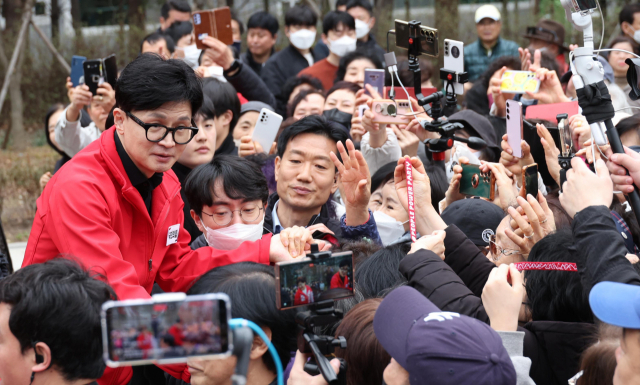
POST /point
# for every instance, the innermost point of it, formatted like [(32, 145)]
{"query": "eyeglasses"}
[(157, 132), (532, 31), (497, 251), (574, 380), (223, 215)]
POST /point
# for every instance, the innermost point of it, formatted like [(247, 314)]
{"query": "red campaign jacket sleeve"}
[(182, 266), (81, 228)]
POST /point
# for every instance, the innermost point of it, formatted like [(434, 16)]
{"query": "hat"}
[(439, 347), (487, 11), (255, 106), (548, 30), (476, 218), (479, 125), (616, 304)]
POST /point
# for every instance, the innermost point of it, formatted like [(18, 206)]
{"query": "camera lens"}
[(455, 52), (508, 117)]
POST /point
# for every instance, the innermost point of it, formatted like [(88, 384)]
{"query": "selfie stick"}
[(243, 337), (412, 212), (593, 94)]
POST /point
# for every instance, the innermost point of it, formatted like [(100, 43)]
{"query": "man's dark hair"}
[(556, 295), (301, 279), (334, 19), (175, 5), (342, 85), (378, 275), (366, 4), (241, 179), (224, 98), (340, 3), (207, 110), (252, 290), (264, 20), (314, 124), (156, 36), (301, 15), (630, 124), (302, 95), (179, 29), (628, 13), (234, 16), (149, 81), (353, 56), (295, 81), (344, 262), (58, 303)]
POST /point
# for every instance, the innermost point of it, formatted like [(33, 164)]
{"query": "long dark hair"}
[(52, 110)]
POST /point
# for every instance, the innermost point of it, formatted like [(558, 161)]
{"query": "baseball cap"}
[(255, 106), (476, 218), (439, 347), (616, 304), (487, 11)]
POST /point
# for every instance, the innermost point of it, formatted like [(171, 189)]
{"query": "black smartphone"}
[(166, 329), (529, 181), (110, 70), (307, 280), (93, 74), (428, 37)]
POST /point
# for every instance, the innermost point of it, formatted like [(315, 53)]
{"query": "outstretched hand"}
[(354, 181), (502, 299), (584, 188)]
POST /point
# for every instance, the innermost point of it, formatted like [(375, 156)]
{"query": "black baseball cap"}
[(476, 218)]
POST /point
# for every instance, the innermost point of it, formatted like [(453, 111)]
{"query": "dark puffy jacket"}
[(251, 86), (283, 65)]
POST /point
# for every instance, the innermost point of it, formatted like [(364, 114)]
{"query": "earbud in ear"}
[(39, 358)]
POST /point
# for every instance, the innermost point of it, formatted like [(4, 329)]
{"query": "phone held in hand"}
[(387, 111), (215, 23), (375, 78), (308, 281), (93, 75), (266, 128), (454, 61), (519, 82), (166, 329), (77, 70), (474, 182), (514, 127), (529, 181)]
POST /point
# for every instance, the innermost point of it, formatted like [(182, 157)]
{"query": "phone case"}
[(110, 70), (519, 82), (454, 61), (514, 127), (476, 183), (215, 23), (93, 74), (529, 180), (77, 71), (266, 128), (375, 78), (383, 110)]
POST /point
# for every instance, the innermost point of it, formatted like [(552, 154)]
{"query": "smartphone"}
[(386, 111), (307, 280), (529, 180), (110, 70), (166, 329), (375, 78), (93, 74), (477, 183), (519, 82), (454, 61), (428, 37), (77, 71), (514, 127), (266, 128), (215, 23)]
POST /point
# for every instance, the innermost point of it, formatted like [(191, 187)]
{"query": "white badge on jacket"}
[(172, 235)]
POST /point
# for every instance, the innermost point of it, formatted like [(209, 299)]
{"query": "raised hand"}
[(433, 242), (584, 188), (619, 164), (502, 299), (551, 152), (354, 181), (512, 163), (539, 222)]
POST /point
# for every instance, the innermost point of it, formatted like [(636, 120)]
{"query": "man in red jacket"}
[(340, 280), (116, 205), (304, 294)]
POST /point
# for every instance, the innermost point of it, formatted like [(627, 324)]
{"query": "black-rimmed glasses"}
[(156, 132)]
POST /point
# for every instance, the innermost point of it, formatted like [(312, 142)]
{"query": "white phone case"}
[(454, 48), (266, 128), (514, 127)]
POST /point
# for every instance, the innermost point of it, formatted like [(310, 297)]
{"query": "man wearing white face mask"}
[(362, 11), (300, 28), (182, 34), (630, 21), (339, 34)]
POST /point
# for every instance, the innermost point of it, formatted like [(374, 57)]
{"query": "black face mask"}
[(335, 115)]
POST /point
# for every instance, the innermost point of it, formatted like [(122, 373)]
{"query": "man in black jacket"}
[(262, 33), (300, 27), (362, 11)]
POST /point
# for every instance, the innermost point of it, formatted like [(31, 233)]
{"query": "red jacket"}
[(90, 210), (303, 297), (337, 282)]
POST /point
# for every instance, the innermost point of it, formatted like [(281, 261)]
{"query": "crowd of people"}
[(161, 188)]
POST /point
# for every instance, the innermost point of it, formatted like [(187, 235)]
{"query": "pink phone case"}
[(381, 111), (514, 127)]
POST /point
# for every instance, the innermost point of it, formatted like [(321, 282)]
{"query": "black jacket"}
[(247, 59), (326, 216), (228, 146), (251, 86), (372, 48), (182, 172), (282, 66), (476, 99)]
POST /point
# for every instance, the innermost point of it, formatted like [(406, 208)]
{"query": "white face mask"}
[(388, 228), (362, 29), (303, 38), (230, 238), (636, 35), (342, 46), (461, 150), (191, 55)]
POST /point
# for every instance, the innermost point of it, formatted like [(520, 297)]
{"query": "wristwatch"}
[(234, 66)]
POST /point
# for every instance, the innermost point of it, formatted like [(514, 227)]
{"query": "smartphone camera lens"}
[(508, 117), (455, 52)]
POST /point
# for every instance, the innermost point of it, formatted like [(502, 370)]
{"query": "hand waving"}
[(354, 181)]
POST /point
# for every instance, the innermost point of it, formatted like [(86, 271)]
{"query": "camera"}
[(416, 38)]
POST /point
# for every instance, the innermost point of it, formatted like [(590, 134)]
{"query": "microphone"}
[(473, 142)]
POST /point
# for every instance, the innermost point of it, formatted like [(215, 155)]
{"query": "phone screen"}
[(375, 78), (309, 281), (173, 330), (474, 182), (531, 180)]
